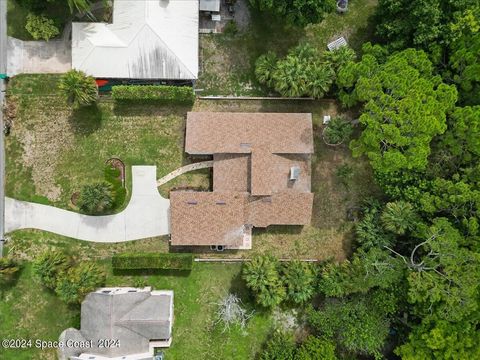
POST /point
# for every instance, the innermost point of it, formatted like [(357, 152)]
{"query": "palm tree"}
[(262, 277), (78, 88), (96, 198), (300, 281), (79, 5), (265, 67), (339, 57), (322, 76), (399, 217)]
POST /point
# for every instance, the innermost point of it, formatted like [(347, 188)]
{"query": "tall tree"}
[(405, 106)]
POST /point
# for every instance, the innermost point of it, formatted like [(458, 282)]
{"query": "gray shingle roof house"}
[(136, 320)]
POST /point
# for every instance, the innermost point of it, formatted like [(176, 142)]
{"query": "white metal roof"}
[(148, 39)]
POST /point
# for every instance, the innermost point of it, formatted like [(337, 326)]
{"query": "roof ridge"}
[(147, 23)]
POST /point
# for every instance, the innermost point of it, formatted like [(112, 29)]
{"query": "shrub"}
[(96, 198), (262, 277), (230, 28), (145, 261), (180, 94), (49, 266), (337, 131), (299, 281), (78, 88), (41, 27), (8, 270), (314, 348), (280, 346), (75, 284)]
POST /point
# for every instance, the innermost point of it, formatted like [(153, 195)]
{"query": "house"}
[(133, 321), (147, 40), (261, 177)]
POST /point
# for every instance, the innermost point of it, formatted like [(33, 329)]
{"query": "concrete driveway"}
[(147, 215), (38, 57)]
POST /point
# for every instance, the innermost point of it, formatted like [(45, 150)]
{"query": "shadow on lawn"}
[(86, 120), (150, 108)]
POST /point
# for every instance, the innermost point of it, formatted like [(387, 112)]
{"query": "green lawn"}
[(228, 60), (194, 330), (28, 311), (53, 150)]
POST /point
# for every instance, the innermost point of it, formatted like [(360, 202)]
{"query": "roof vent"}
[(267, 199), (221, 202), (294, 173), (192, 202), (245, 145)]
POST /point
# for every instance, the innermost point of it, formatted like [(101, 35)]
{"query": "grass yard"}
[(28, 311), (228, 61), (53, 150), (194, 329)]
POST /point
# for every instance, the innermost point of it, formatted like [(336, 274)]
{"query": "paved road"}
[(3, 70), (147, 215)]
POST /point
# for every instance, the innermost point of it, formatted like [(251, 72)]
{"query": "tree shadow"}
[(86, 120), (150, 108)]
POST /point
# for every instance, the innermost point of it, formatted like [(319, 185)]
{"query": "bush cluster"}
[(156, 261), (273, 283), (70, 281), (180, 94)]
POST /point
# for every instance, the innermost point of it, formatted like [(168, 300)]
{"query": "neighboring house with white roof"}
[(147, 39), (136, 320)]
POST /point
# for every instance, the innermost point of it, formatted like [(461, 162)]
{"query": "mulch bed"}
[(118, 164), (74, 197)]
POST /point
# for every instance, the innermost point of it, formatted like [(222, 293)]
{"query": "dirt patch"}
[(40, 129)]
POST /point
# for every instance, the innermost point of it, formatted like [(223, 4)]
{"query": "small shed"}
[(210, 5)]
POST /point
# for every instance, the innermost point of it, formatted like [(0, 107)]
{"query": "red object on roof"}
[(101, 82)]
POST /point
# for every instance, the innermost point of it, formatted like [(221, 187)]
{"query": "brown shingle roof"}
[(224, 132), (207, 218), (253, 155), (231, 172), (283, 208)]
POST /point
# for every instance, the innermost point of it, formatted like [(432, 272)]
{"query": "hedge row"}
[(145, 261), (182, 94)]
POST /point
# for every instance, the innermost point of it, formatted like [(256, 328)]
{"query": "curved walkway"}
[(147, 215), (183, 170)]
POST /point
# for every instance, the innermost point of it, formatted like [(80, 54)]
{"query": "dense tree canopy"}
[(420, 23), (405, 106)]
